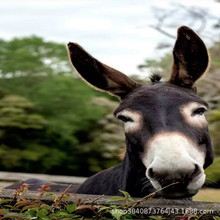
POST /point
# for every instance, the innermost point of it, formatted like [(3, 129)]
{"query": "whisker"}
[(209, 181)]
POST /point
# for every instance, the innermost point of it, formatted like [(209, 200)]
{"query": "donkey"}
[(167, 137), (168, 144)]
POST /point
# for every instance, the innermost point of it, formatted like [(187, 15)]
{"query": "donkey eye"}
[(199, 111), (125, 118)]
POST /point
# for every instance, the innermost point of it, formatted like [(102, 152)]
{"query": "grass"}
[(208, 195)]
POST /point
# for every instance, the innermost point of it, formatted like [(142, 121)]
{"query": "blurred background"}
[(50, 120)]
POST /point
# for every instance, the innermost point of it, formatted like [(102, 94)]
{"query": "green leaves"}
[(127, 198), (32, 56), (213, 172), (71, 208), (19, 112), (126, 195), (42, 127), (117, 213), (35, 209)]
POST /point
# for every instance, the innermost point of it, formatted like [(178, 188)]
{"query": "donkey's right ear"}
[(98, 74)]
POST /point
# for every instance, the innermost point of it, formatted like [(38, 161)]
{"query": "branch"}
[(163, 31)]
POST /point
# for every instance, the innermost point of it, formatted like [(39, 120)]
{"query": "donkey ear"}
[(98, 74), (191, 58)]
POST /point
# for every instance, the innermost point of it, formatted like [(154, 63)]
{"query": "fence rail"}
[(13, 177), (151, 207), (163, 207)]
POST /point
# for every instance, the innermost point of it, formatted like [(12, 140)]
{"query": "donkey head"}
[(164, 122)]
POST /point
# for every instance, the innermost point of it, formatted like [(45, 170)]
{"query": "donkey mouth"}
[(176, 195), (176, 191)]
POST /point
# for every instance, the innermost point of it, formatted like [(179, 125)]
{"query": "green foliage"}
[(215, 55), (32, 56), (214, 121), (161, 66), (107, 140), (18, 112), (53, 135), (213, 173), (18, 117), (46, 114)]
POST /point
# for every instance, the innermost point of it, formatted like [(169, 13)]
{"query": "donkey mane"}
[(155, 77)]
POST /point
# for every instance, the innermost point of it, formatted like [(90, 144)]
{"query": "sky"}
[(117, 32)]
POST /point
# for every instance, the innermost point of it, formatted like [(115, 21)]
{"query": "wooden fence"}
[(152, 207)]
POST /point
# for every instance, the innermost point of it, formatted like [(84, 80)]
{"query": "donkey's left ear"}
[(191, 59), (98, 74)]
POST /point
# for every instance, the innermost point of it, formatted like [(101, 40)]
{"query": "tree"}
[(107, 141), (19, 123), (206, 24), (32, 56), (46, 124)]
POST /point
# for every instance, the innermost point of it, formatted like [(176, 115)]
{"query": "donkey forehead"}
[(160, 97)]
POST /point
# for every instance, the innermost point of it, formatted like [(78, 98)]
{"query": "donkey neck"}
[(134, 178)]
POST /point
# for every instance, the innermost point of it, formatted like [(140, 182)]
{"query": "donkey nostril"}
[(196, 171), (150, 172), (196, 168)]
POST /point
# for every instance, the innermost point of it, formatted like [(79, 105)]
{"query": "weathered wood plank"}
[(12, 176), (150, 207)]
